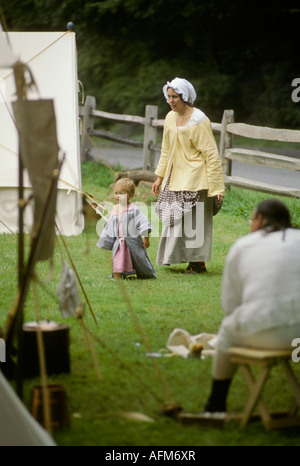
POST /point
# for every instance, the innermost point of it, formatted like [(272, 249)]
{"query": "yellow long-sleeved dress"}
[(192, 175)]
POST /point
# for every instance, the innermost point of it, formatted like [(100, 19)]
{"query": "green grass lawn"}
[(136, 317)]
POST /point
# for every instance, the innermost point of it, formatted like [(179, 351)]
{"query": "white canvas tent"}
[(52, 60), (17, 426)]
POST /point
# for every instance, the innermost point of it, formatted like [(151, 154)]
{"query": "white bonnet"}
[(183, 87)]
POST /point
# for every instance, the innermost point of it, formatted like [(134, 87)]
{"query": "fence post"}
[(87, 125), (149, 138), (226, 141)]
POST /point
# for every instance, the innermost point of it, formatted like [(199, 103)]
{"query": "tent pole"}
[(21, 94), (14, 325), (21, 224), (20, 280)]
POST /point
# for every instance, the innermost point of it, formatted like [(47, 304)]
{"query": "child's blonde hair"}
[(127, 184)]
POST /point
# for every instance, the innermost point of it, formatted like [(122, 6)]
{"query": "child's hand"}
[(146, 242)]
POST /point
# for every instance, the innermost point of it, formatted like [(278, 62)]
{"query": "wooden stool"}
[(57, 404), (266, 359)]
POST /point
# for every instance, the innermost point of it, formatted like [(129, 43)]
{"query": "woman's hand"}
[(220, 197), (156, 186)]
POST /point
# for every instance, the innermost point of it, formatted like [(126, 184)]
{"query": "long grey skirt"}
[(190, 239)]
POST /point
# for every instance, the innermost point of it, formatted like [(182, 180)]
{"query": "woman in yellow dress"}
[(190, 174)]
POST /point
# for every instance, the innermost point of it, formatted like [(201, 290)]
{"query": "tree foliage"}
[(238, 54)]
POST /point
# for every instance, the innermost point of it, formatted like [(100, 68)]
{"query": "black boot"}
[(218, 396), (195, 268)]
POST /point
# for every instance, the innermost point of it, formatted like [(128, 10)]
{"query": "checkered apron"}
[(172, 205)]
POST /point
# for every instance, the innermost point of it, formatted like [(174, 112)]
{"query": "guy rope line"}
[(78, 278), (124, 365), (145, 341), (86, 331), (6, 226), (92, 199)]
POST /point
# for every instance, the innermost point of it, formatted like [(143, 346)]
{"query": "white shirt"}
[(261, 282)]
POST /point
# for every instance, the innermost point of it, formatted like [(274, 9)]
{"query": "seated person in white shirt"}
[(260, 294)]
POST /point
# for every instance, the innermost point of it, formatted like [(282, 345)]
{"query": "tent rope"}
[(91, 199), (125, 366), (89, 341), (130, 307), (121, 363), (145, 341), (75, 270), (43, 50), (6, 226)]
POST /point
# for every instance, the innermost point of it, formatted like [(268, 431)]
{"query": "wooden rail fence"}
[(228, 153)]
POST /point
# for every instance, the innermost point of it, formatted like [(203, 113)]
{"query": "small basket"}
[(217, 205)]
